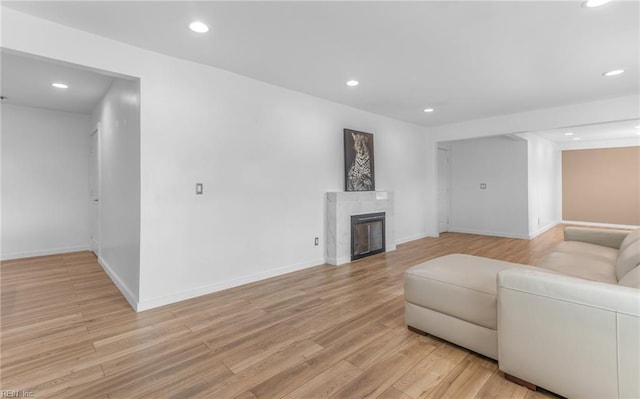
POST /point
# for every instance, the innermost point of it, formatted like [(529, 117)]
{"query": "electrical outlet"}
[(199, 189), (316, 241)]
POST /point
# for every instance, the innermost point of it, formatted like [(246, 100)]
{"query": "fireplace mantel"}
[(341, 205)]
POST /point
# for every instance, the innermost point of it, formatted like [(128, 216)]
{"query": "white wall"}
[(502, 208), (544, 184), (545, 199), (118, 115), (45, 181), (266, 156)]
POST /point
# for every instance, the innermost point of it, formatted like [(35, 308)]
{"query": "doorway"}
[(444, 189), (94, 190)]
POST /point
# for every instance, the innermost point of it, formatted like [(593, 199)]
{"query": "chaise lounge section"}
[(454, 297), (570, 325)]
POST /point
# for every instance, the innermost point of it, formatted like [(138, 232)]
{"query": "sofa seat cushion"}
[(605, 254), (581, 265), (461, 286)]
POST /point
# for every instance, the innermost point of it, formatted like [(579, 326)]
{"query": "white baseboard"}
[(596, 224), (338, 261), (413, 238), (488, 233), (126, 292), (543, 229), (208, 289), (43, 252)]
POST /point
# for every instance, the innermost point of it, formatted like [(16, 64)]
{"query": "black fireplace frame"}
[(364, 218)]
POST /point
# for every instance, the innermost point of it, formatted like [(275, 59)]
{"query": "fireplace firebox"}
[(367, 235)]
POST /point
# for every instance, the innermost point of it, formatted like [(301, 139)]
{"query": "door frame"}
[(448, 195), (98, 158)]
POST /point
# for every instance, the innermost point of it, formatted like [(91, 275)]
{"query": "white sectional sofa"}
[(570, 325), (576, 334)]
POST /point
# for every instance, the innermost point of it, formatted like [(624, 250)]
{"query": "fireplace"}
[(341, 205), (367, 235)]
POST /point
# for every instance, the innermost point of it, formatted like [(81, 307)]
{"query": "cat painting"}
[(359, 161)]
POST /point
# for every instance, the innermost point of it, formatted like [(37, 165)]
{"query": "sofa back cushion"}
[(631, 279), (631, 237), (629, 254)]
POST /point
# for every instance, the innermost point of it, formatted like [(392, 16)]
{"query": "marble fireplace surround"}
[(341, 205)]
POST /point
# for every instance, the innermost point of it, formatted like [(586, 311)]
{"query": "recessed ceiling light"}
[(594, 3), (199, 27), (429, 110), (576, 138), (614, 72), (568, 134), (59, 85), (352, 83)]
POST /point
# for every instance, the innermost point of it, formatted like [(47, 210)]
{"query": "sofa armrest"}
[(575, 337), (605, 237)]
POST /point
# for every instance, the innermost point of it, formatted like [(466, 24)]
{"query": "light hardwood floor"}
[(322, 332)]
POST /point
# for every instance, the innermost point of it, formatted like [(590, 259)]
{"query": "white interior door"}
[(94, 190), (444, 190)]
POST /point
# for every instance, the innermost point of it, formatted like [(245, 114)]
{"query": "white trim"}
[(413, 238), (488, 233), (45, 252), (126, 292), (208, 289), (596, 224), (449, 150), (98, 155), (542, 230), (338, 261)]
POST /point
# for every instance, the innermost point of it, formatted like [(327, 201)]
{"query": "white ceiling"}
[(468, 60), (26, 80)]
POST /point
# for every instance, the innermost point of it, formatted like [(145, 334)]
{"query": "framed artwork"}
[(359, 173)]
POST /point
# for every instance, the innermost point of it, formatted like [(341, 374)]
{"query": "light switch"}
[(483, 186), (198, 188)]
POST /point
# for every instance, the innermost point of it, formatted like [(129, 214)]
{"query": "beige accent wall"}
[(601, 185)]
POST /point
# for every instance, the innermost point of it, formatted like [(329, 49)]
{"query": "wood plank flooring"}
[(324, 332)]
